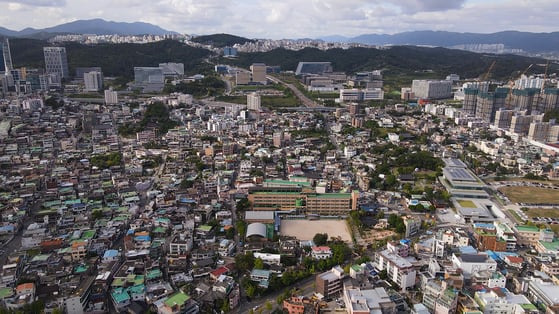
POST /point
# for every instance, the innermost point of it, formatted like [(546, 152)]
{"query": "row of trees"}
[(208, 86)]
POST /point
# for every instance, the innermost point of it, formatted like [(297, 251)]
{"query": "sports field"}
[(306, 229)]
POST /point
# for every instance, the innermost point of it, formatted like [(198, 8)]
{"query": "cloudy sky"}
[(293, 18)]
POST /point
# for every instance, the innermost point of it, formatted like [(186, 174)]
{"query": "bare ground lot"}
[(306, 229), (531, 194)]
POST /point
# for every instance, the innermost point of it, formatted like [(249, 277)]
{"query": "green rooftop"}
[(286, 182), (6, 292), (331, 195), (550, 246), (526, 228), (356, 268), (88, 234), (160, 230), (154, 273), (136, 289), (119, 295), (40, 258), (81, 269), (205, 228), (178, 298), (529, 307)]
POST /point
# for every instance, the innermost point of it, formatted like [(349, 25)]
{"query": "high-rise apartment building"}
[(56, 61), (470, 101), (550, 100), (253, 102), (538, 131), (93, 81), (503, 118), (111, 97), (487, 104), (520, 124)]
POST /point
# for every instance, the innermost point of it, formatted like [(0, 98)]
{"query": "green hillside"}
[(221, 40), (114, 59), (399, 60)]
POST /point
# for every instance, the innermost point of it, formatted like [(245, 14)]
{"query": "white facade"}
[(373, 94), (253, 102), (111, 97), (268, 258), (398, 269), (472, 263), (321, 252), (432, 89)]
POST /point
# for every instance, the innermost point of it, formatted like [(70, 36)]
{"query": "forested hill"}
[(114, 59), (120, 59), (401, 59)]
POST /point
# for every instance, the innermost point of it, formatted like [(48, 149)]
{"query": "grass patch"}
[(543, 212), (233, 99), (516, 216), (466, 203), (530, 194), (555, 228)]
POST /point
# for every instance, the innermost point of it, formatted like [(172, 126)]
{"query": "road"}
[(306, 101), (15, 243), (305, 287)]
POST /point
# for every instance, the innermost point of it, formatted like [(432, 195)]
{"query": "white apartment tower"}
[(253, 102), (111, 97)]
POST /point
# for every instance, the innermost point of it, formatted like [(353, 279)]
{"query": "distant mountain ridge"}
[(94, 26), (529, 42)]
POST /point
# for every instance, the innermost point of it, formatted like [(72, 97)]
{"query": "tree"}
[(320, 238), (268, 306), (230, 233), (241, 227), (244, 262), (225, 307), (258, 264), (243, 204), (251, 291), (186, 184), (383, 274), (98, 214)]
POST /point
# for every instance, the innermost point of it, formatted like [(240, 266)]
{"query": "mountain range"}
[(529, 42), (94, 26)]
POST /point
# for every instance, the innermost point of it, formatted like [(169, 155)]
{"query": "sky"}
[(293, 18)]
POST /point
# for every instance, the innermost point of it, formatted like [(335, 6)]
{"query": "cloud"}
[(412, 6), (38, 3), (293, 18)]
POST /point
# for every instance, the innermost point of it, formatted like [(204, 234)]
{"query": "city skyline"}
[(290, 19)]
